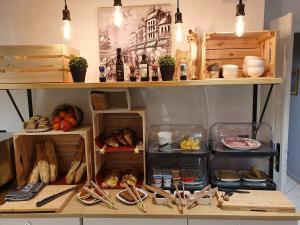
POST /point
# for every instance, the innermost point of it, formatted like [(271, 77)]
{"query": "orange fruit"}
[(66, 126), (56, 119), (56, 126), (71, 120), (62, 114)]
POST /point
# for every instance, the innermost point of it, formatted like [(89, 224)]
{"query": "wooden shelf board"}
[(79, 131), (237, 81)]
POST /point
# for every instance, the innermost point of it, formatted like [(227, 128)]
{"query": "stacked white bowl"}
[(253, 66)]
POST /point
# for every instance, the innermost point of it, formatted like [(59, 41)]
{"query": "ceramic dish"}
[(234, 176), (253, 179), (119, 197), (202, 201), (37, 130), (238, 143), (184, 200), (160, 200)]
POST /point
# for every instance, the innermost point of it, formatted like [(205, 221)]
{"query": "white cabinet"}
[(42, 221), (122, 221), (239, 222)]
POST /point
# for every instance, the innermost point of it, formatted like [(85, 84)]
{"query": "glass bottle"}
[(144, 68), (102, 77), (119, 66)]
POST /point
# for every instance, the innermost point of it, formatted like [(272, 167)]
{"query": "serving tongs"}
[(202, 194), (158, 149), (133, 192), (102, 199)]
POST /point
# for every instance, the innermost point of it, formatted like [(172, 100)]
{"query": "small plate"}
[(256, 143), (131, 203), (217, 175), (253, 180), (37, 130)]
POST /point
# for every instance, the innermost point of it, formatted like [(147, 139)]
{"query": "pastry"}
[(255, 172), (112, 179), (129, 136), (130, 178), (125, 195), (112, 141), (121, 139)]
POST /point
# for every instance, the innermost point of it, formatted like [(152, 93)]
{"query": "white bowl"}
[(164, 137), (255, 62), (162, 201), (187, 199), (203, 201), (230, 71), (255, 71), (251, 58), (245, 69)]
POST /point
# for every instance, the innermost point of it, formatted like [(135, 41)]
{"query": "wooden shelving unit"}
[(208, 82)]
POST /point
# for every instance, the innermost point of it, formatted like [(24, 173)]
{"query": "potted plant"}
[(78, 67), (167, 67)]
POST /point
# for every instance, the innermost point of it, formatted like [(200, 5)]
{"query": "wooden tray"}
[(30, 206), (265, 201)]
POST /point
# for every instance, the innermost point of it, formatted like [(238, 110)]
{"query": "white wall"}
[(39, 22)]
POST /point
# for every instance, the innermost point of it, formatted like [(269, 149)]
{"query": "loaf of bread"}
[(35, 175), (43, 165), (76, 162), (52, 160), (80, 172)]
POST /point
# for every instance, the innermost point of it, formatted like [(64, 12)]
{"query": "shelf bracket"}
[(266, 103), (15, 105)]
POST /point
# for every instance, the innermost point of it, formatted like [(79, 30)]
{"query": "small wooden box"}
[(36, 63), (122, 158), (7, 163), (65, 148), (227, 48)]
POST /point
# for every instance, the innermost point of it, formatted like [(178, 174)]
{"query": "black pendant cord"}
[(29, 100)]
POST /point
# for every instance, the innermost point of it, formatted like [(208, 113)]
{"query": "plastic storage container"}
[(183, 159)]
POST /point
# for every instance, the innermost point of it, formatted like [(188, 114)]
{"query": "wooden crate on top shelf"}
[(122, 158), (65, 143), (227, 48), (110, 100), (36, 63)]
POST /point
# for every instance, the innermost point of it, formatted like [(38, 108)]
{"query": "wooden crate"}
[(65, 148), (36, 63), (226, 48), (7, 164), (122, 158)]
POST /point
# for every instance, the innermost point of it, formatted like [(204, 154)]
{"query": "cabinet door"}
[(42, 221), (240, 222), (113, 221)]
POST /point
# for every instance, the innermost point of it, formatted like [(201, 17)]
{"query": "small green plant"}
[(166, 61), (78, 63)]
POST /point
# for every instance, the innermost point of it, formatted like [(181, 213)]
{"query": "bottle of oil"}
[(119, 67), (144, 68)]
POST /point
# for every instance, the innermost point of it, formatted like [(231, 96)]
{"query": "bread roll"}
[(52, 159)]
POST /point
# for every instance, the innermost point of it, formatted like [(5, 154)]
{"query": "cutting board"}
[(30, 206), (266, 201)]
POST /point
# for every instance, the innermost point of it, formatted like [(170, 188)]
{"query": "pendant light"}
[(118, 13), (66, 22), (178, 25), (240, 16)]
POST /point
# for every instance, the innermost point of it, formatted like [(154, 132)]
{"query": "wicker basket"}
[(67, 107)]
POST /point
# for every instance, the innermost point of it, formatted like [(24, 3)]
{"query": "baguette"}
[(80, 172), (35, 175), (70, 177), (52, 159), (43, 165)]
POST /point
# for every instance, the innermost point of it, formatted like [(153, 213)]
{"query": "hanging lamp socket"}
[(240, 9), (117, 2), (66, 12), (178, 17)]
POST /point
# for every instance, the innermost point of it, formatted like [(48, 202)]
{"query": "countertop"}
[(76, 209)]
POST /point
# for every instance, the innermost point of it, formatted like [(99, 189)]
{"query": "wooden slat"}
[(44, 63), (29, 77), (231, 53), (231, 35), (232, 44), (37, 50)]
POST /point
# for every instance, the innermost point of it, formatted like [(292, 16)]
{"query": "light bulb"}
[(179, 32), (118, 16), (67, 29), (239, 26)]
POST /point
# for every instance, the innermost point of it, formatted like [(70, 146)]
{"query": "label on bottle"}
[(120, 72), (144, 70)]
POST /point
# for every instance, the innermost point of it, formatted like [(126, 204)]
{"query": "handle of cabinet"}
[(27, 223)]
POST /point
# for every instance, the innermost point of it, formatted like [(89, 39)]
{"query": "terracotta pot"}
[(78, 74), (167, 73)]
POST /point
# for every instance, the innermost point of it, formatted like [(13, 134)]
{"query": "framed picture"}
[(295, 82), (145, 30)]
